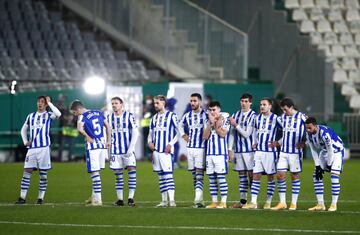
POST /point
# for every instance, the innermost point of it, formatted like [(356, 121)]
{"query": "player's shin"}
[(132, 183), (199, 186), (42, 184), (213, 188), (335, 188), (25, 184), (119, 184), (96, 183), (295, 191), (319, 190), (270, 191), (255, 189)]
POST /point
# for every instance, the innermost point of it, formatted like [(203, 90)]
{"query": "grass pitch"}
[(64, 211)]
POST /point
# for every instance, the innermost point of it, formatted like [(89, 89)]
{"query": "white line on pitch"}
[(180, 227)]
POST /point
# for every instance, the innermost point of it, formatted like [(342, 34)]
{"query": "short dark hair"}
[(76, 104), (214, 104), (196, 95), (268, 100), (311, 120), (287, 102), (246, 96), (41, 97), (161, 97), (117, 98)]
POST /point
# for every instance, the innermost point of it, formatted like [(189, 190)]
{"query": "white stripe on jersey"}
[(39, 124), (293, 131), (326, 136), (196, 124), (217, 145), (242, 144), (266, 127), (164, 127), (121, 131)]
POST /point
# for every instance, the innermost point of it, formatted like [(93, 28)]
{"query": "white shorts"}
[(38, 158), (162, 162), (265, 162), (120, 161), (95, 159), (195, 158), (216, 164), (290, 161), (244, 161), (337, 164)]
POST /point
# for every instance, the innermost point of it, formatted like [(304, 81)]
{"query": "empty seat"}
[(355, 26), (352, 51), (346, 39), (335, 15), (354, 75), (307, 26), (337, 4), (292, 4), (324, 26), (352, 4), (307, 3), (299, 14), (337, 51), (322, 4), (340, 27), (330, 38), (355, 101), (340, 76), (317, 14), (352, 14), (348, 64)]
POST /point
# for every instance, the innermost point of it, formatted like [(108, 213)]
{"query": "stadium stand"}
[(334, 27), (37, 45)]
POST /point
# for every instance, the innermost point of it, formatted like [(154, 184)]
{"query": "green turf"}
[(69, 185)]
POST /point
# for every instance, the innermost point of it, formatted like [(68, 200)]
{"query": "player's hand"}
[(108, 145), (151, 146), (211, 120), (273, 144), (48, 99), (129, 153), (231, 155), (218, 123), (168, 149), (89, 139), (28, 143), (186, 137), (300, 145), (328, 168), (232, 122), (254, 146), (319, 173)]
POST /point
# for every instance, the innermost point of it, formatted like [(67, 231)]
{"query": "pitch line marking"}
[(179, 227)]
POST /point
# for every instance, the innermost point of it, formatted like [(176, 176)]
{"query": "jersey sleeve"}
[(132, 120), (226, 124), (174, 120)]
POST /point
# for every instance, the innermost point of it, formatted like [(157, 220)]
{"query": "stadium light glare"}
[(94, 85)]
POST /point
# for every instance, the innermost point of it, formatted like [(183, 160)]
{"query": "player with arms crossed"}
[(161, 140), (91, 125), (327, 150), (242, 123), (266, 126), (215, 133), (123, 139), (293, 124), (38, 154)]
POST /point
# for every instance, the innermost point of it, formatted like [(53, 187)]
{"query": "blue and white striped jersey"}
[(326, 139), (245, 121), (121, 131), (293, 132), (195, 122), (164, 130), (217, 145), (93, 121), (265, 131), (39, 124)]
